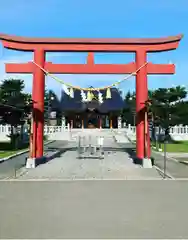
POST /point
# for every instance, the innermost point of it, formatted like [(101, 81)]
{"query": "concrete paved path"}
[(94, 210), (8, 168), (176, 169), (116, 165)]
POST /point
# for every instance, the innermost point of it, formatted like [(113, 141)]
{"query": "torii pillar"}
[(38, 99), (42, 45), (141, 98)]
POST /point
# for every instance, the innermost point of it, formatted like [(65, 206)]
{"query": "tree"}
[(180, 110), (16, 105), (50, 99), (165, 104), (129, 112), (168, 108)]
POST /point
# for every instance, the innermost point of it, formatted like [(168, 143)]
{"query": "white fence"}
[(178, 133), (173, 130), (5, 131), (48, 130)]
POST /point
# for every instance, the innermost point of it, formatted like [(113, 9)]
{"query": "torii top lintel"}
[(89, 45)]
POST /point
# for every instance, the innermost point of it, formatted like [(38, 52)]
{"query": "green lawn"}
[(6, 149), (7, 153), (176, 147)]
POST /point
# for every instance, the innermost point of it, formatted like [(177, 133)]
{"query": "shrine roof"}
[(19, 39), (68, 104)]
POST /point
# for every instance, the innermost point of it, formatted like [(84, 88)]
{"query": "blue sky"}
[(101, 19)]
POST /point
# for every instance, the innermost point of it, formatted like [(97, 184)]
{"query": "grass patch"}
[(181, 146), (6, 149), (7, 146), (8, 153)]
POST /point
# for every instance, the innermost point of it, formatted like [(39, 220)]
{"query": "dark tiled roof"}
[(71, 104), (75, 104), (113, 104)]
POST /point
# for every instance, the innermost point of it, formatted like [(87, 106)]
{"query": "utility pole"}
[(147, 105)]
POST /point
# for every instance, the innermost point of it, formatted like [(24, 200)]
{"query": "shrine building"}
[(92, 114)]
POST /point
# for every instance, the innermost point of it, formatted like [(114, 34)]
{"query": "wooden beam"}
[(90, 68), (72, 68), (160, 68), (19, 67), (91, 47)]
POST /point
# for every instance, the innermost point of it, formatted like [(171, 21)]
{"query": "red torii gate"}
[(42, 45)]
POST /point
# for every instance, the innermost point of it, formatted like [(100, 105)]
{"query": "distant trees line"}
[(16, 105), (165, 106)]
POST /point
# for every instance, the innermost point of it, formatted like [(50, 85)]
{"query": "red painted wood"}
[(140, 41), (90, 68), (39, 85), (90, 59), (91, 47), (19, 67), (141, 98), (160, 68), (140, 46)]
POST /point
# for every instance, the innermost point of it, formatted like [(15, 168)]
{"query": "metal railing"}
[(90, 146)]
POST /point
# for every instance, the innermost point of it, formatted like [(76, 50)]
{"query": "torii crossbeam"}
[(42, 45)]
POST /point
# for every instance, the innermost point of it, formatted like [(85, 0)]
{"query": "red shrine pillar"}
[(38, 99), (141, 98)]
